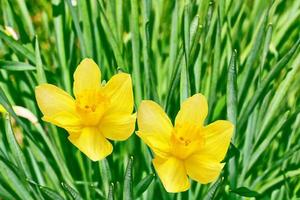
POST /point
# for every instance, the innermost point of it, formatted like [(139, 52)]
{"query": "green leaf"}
[(25, 52), (128, 190), (10, 178), (110, 195), (105, 174), (15, 149), (41, 77), (253, 55), (50, 193), (16, 66), (265, 83), (232, 103), (245, 192), (134, 27), (77, 28), (210, 195), (143, 185), (6, 194), (74, 194)]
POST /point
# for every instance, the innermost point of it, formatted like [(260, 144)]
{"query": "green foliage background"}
[(243, 55)]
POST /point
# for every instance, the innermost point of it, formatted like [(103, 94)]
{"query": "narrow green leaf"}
[(16, 66), (279, 180), (74, 194), (111, 192), (245, 192), (266, 82), (77, 28), (15, 184), (215, 66), (15, 148), (105, 174), (260, 147), (134, 27), (232, 105), (254, 53), (26, 53), (41, 77), (281, 92), (35, 168), (50, 193), (128, 190), (6, 194), (58, 12), (6, 104), (112, 39), (25, 17), (143, 185), (232, 90), (265, 51), (210, 195), (86, 27), (184, 83)]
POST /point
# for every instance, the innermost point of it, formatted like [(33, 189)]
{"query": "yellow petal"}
[(57, 106), (87, 77), (66, 120), (172, 174), (202, 169), (155, 127), (117, 126), (92, 143), (193, 110), (119, 90), (217, 136)]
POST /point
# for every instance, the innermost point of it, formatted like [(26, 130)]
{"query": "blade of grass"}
[(41, 77), (271, 75), (134, 28), (143, 185), (23, 51), (128, 190), (74, 194), (11, 179), (78, 29), (16, 66)]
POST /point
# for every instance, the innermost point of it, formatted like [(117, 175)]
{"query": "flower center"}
[(185, 140), (91, 106)]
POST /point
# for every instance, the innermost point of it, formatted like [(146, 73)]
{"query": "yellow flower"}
[(187, 149), (96, 114)]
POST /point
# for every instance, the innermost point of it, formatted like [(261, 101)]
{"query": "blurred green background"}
[(242, 55)]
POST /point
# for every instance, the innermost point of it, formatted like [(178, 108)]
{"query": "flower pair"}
[(102, 112)]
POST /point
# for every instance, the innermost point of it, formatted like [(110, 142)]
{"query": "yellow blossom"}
[(96, 114), (188, 148)]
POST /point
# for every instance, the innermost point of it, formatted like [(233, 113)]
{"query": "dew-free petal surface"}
[(193, 110), (92, 143), (172, 173)]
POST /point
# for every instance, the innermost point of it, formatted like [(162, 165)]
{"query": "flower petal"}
[(172, 174), (217, 136), (117, 127), (87, 77), (155, 127), (92, 143), (66, 120), (202, 169), (57, 106), (119, 91), (193, 110)]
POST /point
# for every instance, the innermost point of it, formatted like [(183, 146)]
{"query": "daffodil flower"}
[(188, 148), (96, 114)]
